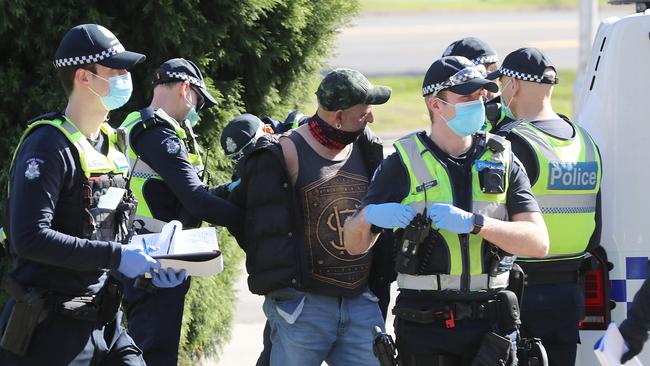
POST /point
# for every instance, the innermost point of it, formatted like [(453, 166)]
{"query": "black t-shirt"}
[(391, 183)]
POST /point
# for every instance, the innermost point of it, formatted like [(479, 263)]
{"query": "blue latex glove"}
[(451, 218), (389, 215), (135, 262), (233, 184), (168, 278)]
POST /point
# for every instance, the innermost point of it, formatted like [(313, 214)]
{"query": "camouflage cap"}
[(344, 88)]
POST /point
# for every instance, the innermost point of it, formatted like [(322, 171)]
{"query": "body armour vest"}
[(141, 173), (566, 190), (451, 261), (102, 174), (330, 192)]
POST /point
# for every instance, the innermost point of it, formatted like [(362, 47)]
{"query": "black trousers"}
[(61, 340), (552, 313)]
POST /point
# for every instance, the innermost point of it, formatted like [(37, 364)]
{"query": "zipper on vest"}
[(464, 238)]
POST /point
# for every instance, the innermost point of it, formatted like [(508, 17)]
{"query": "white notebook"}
[(194, 250)]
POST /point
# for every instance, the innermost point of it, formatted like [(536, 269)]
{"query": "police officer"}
[(563, 164), (167, 168), (480, 53), (473, 210), (69, 212)]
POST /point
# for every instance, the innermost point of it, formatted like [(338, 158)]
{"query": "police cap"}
[(180, 69), (239, 136), (474, 49), (94, 44), (527, 64), (456, 74)]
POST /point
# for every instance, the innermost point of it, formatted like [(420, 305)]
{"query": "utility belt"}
[(552, 278), (34, 305), (448, 313)]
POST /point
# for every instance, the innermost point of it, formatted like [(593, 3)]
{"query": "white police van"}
[(614, 106)]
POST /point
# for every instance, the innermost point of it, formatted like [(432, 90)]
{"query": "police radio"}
[(408, 260)]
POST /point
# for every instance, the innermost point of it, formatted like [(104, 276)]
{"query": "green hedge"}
[(258, 56)]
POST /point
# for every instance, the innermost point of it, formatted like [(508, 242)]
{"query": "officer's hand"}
[(634, 337), (168, 278), (233, 184), (135, 262), (389, 215), (450, 218)]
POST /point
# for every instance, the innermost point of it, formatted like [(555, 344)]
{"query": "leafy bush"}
[(257, 55)]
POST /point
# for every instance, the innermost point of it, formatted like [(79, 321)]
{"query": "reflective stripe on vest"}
[(141, 172), (566, 189), (92, 162), (430, 183)]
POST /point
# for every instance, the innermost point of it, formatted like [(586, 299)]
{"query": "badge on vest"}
[(572, 176), (33, 170), (426, 185), (173, 145)]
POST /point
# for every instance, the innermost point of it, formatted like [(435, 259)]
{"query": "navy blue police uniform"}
[(66, 307), (171, 188)]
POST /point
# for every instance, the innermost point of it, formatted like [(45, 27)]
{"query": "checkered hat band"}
[(458, 78), (521, 75), (485, 60), (90, 59), (184, 76)]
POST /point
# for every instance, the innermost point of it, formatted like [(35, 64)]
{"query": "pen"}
[(171, 237), (146, 248)]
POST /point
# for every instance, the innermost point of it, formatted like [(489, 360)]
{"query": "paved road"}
[(396, 44)]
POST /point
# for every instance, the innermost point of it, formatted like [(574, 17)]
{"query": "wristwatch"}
[(477, 223)]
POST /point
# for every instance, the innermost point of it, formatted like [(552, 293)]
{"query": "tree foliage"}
[(258, 56)]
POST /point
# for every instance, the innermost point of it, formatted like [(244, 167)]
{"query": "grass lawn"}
[(454, 5)]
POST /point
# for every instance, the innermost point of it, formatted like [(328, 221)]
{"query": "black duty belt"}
[(448, 313), (552, 278)]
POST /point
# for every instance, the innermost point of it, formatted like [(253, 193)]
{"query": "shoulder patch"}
[(173, 145), (33, 171)]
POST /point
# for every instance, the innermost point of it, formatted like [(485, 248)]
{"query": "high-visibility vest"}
[(566, 189), (469, 257)]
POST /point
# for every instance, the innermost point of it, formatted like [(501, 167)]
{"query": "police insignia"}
[(33, 171), (173, 146), (231, 146)]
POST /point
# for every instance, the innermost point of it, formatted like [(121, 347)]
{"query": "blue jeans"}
[(307, 329)]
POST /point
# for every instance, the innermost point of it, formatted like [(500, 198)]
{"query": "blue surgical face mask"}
[(192, 115), (505, 106), (119, 92), (470, 117)]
